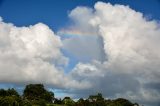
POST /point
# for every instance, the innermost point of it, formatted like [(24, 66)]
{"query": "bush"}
[(10, 101), (39, 102)]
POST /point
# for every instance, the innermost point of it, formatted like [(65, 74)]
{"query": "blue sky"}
[(121, 51), (54, 13)]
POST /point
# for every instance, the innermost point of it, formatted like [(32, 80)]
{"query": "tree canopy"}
[(37, 95), (37, 92)]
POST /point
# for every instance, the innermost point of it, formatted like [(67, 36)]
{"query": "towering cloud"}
[(131, 46)]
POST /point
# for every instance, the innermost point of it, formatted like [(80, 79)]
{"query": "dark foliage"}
[(10, 97), (37, 95), (37, 92), (58, 101), (9, 92)]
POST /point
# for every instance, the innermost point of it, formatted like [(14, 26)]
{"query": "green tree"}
[(10, 97), (11, 101), (58, 101), (97, 97), (3, 92), (120, 102), (37, 92), (68, 101), (80, 102), (48, 96), (33, 91), (12, 92)]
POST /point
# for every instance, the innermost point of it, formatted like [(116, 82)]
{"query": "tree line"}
[(37, 95)]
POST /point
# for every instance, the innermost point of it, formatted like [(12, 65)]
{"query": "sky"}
[(81, 47)]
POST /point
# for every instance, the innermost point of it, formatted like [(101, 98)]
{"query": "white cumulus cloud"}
[(131, 46), (32, 55)]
